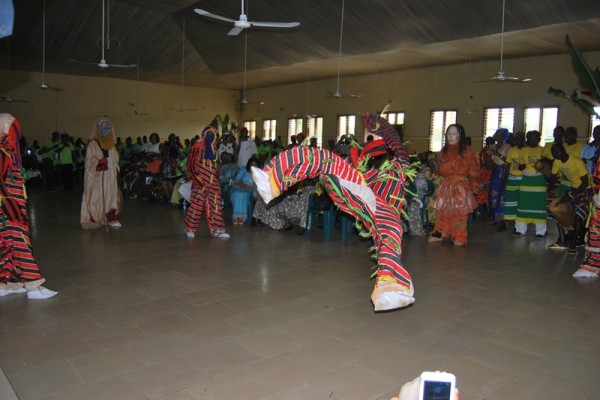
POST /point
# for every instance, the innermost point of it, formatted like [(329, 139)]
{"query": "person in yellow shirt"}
[(574, 170), (515, 175), (572, 145), (532, 192), (557, 134)]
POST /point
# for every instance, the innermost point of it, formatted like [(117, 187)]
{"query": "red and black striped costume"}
[(351, 193), (591, 264), (206, 190), (17, 265), (377, 125)]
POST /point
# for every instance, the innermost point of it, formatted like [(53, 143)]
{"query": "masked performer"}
[(459, 166), (100, 203), (19, 273), (206, 189), (373, 196)]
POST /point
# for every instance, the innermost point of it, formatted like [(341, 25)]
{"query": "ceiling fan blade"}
[(45, 86), (235, 31), (82, 62), (205, 13), (123, 65), (275, 24)]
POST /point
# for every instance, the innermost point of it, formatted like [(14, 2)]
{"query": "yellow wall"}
[(415, 92), (83, 99)]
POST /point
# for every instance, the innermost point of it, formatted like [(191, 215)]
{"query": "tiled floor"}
[(145, 313)]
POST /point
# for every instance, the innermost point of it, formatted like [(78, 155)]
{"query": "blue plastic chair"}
[(347, 226), (313, 214)]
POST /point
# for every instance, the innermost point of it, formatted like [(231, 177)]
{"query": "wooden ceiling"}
[(378, 35)]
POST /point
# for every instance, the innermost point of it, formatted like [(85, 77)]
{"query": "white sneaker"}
[(115, 224), (4, 292), (190, 234), (584, 273), (41, 292), (220, 234)]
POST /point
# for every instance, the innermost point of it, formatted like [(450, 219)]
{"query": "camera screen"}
[(433, 390)]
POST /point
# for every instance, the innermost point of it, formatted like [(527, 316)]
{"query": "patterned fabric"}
[(511, 197), (454, 198), (497, 191), (380, 126), (349, 192), (205, 197), (293, 207), (532, 199), (206, 191), (17, 265)]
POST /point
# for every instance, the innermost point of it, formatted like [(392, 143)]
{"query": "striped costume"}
[(590, 268), (513, 183), (18, 268), (353, 195), (206, 189)]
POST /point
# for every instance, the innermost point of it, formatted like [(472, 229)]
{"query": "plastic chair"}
[(347, 226), (313, 214)]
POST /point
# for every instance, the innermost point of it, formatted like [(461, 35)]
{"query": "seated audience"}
[(242, 192)]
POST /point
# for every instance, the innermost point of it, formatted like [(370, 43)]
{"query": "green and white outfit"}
[(532, 194)]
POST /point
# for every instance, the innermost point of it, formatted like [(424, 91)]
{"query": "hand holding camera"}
[(430, 386)]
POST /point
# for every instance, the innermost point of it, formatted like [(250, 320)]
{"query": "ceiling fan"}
[(44, 85), (337, 94), (243, 23), (501, 74), (8, 98), (103, 64), (181, 107)]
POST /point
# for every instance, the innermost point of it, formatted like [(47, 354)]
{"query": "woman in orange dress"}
[(459, 166)]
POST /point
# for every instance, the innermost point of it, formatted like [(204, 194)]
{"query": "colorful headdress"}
[(11, 132)]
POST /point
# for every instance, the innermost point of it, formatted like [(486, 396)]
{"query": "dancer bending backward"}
[(206, 190), (19, 273), (459, 166), (350, 192)]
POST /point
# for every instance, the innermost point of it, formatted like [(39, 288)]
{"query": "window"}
[(440, 120), (269, 129), (542, 119), (314, 127), (294, 127), (393, 117), (251, 126), (496, 118), (346, 125), (594, 120)]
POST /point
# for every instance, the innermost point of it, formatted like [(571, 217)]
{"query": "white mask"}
[(104, 127), (452, 135)]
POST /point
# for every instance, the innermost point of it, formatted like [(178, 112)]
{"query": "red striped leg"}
[(17, 264)]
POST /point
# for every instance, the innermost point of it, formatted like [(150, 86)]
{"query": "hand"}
[(102, 165)]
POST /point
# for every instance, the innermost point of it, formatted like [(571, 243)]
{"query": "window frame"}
[(347, 124), (545, 128), (317, 130), (499, 122), (447, 120), (269, 133), (297, 121), (250, 124)]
